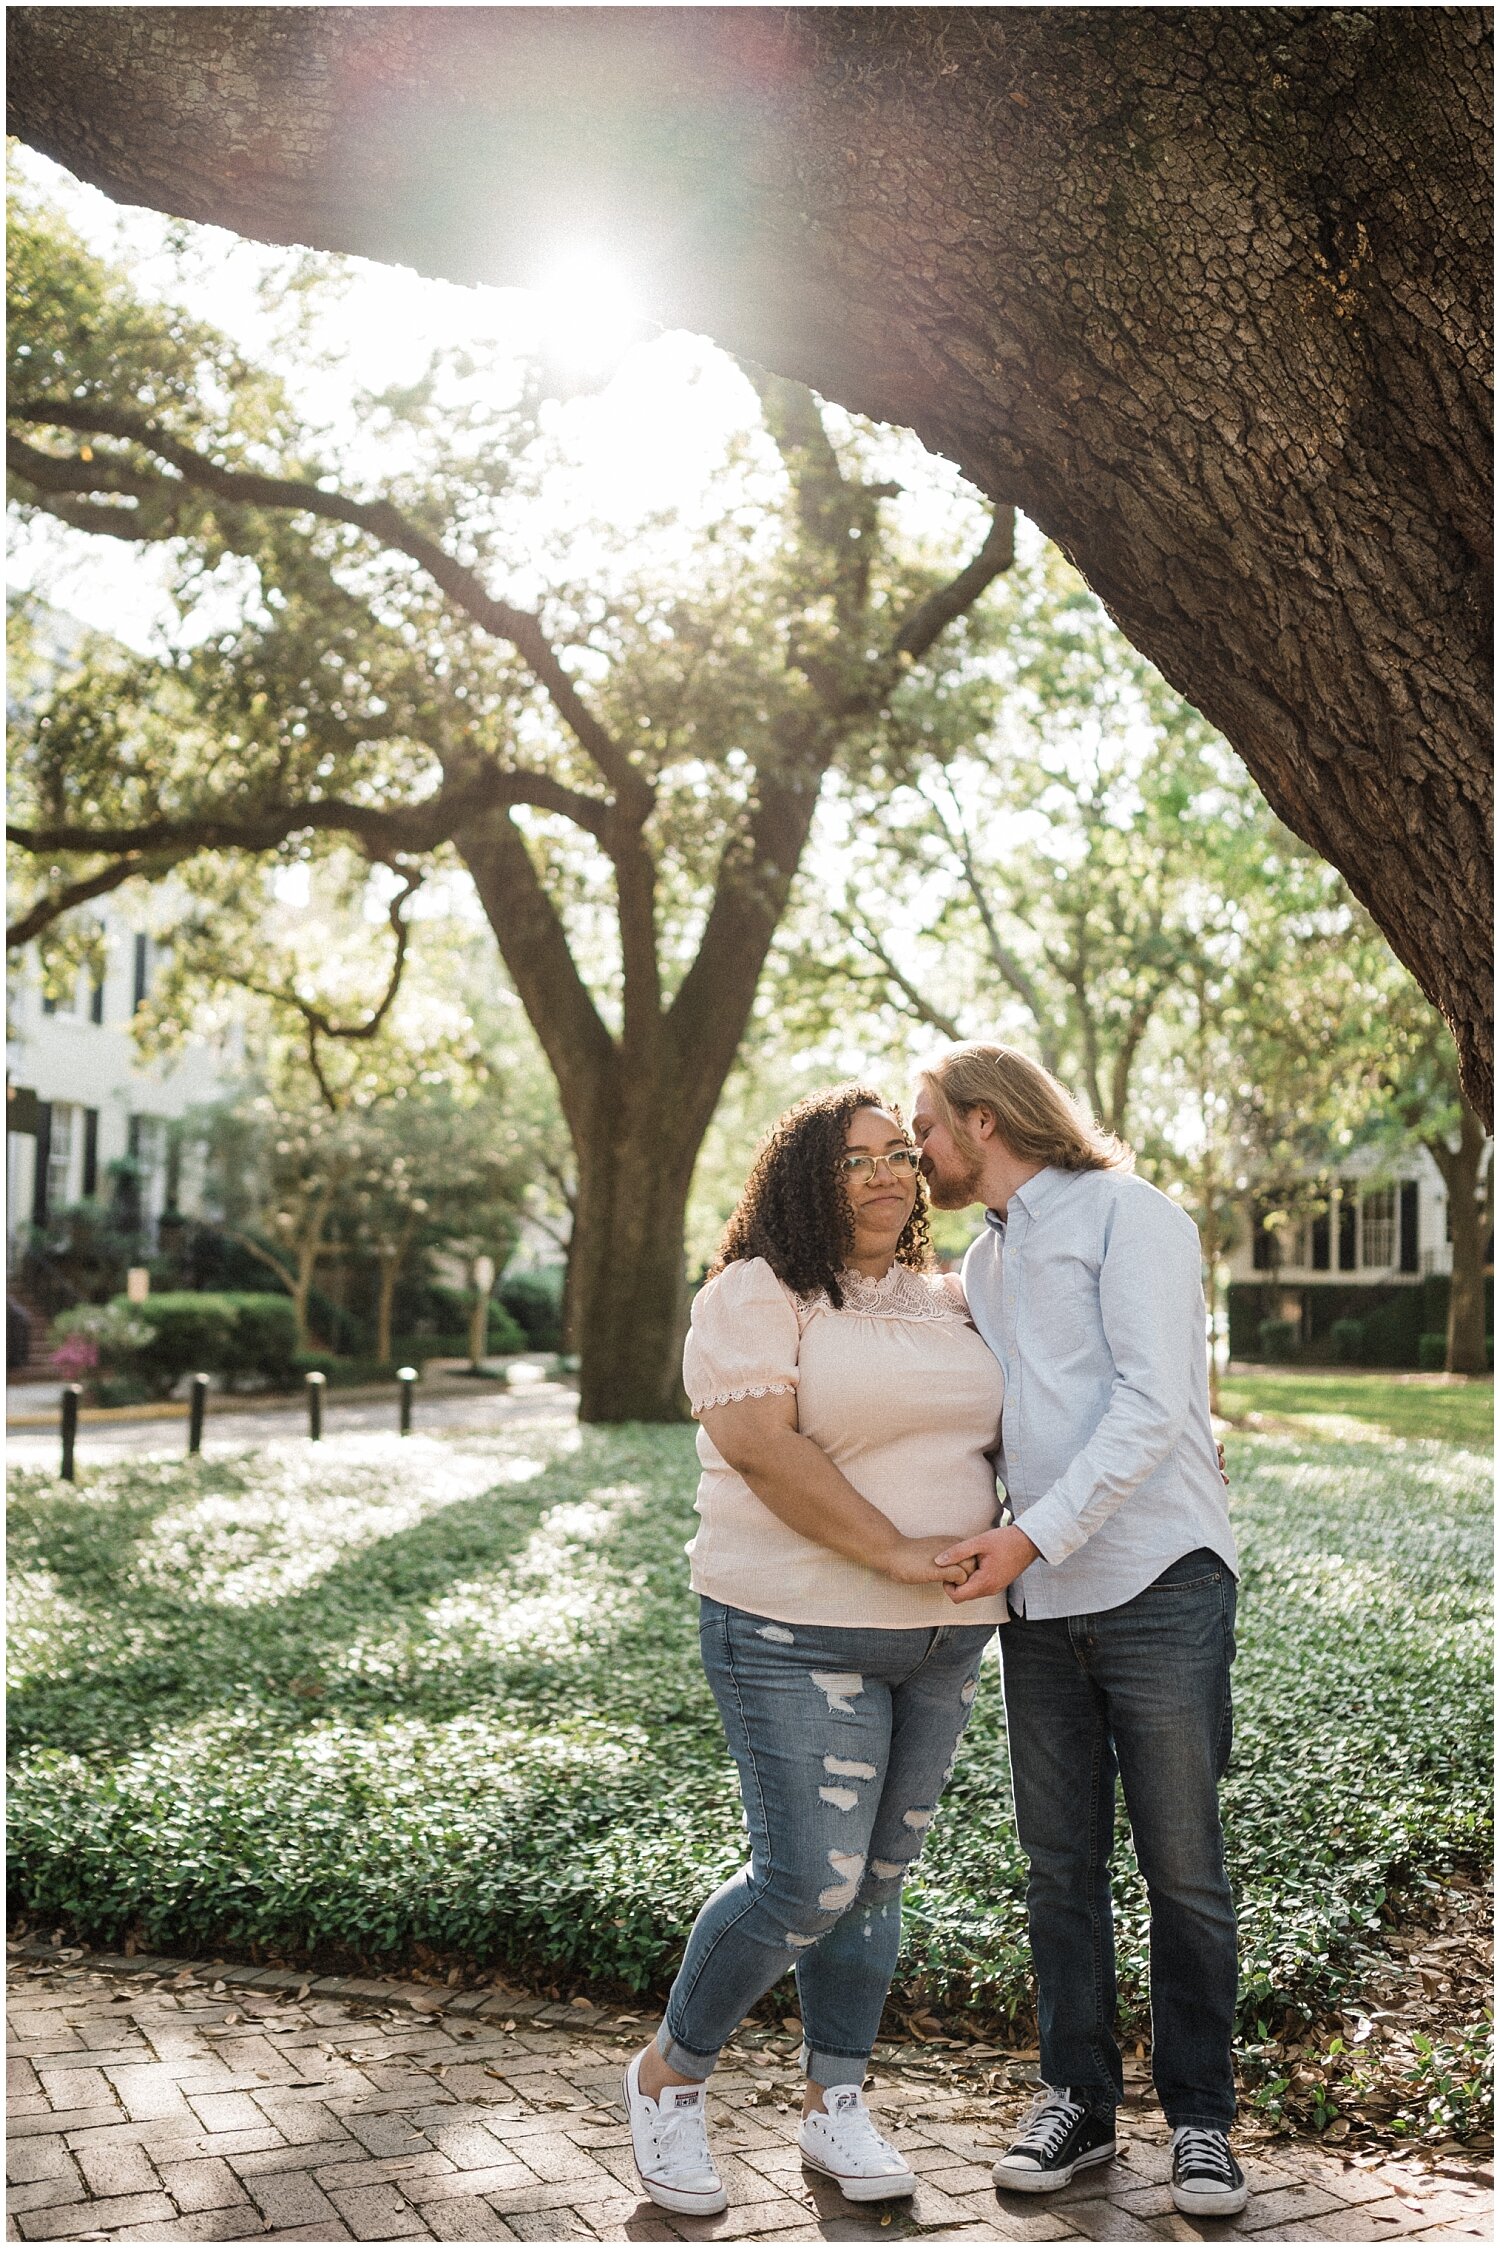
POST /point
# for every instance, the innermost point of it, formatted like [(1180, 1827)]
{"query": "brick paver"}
[(155, 2101)]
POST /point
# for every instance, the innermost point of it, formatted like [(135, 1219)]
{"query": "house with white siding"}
[(87, 1118)]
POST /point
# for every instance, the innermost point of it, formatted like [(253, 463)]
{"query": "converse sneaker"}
[(844, 2144), (1206, 2179), (669, 2136), (1059, 2136)]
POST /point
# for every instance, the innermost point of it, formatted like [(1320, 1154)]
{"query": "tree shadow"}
[(149, 1658)]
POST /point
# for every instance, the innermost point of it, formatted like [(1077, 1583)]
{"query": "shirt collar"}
[(1033, 1197)]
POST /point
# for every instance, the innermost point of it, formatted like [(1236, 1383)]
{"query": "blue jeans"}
[(1141, 1691), (844, 1740)]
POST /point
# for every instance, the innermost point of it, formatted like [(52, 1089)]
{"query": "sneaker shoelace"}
[(854, 2128), (1051, 2118), (1206, 2153), (680, 2136)]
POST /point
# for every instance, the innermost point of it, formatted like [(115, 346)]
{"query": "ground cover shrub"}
[(349, 1702), (1432, 1353)]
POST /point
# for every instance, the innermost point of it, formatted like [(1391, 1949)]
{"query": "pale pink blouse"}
[(897, 1389)]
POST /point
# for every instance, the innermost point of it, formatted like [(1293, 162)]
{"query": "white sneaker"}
[(669, 2136), (1206, 2179), (844, 2144)]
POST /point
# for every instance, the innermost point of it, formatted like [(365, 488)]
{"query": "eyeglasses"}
[(902, 1162)]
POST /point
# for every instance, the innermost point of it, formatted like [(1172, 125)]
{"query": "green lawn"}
[(1341, 1402), (351, 1701)]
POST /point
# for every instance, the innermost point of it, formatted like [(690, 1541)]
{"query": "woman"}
[(848, 1411)]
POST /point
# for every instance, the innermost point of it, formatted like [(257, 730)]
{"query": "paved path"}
[(152, 2100), (476, 1411)]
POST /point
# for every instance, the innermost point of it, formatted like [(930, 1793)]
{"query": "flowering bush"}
[(98, 1340)]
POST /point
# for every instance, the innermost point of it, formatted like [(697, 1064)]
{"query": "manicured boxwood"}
[(348, 1701), (1346, 1339), (1278, 1341), (1432, 1353), (190, 1334), (234, 1335)]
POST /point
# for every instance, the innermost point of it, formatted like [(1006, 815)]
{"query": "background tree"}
[(630, 786), (1081, 865), (1206, 292)]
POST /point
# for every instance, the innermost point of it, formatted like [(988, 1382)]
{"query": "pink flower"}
[(76, 1356)]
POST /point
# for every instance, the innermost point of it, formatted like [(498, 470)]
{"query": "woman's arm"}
[(798, 1482)]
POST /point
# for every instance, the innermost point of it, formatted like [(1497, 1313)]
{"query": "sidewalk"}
[(446, 1404), (156, 2100)]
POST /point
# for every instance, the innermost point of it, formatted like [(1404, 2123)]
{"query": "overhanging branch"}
[(378, 518)]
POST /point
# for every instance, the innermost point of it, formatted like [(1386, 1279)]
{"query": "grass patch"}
[(355, 1702), (1358, 1405)]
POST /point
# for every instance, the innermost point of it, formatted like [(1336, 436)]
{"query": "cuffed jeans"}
[(1141, 1691), (844, 1740)]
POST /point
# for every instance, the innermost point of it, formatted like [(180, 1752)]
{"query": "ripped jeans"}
[(844, 1741)]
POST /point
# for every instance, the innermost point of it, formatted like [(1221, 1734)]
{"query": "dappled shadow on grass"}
[(480, 1598), (1348, 1405), (450, 1695)]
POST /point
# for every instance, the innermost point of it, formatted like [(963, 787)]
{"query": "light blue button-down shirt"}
[(1090, 1293)]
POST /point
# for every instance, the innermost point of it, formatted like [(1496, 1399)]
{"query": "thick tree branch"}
[(384, 523), (534, 946), (53, 904), (386, 830), (932, 616)]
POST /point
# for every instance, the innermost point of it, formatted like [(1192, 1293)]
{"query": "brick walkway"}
[(156, 2101)]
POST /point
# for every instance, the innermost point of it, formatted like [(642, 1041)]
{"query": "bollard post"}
[(407, 1377), (197, 1405), (315, 1384), (70, 1396)]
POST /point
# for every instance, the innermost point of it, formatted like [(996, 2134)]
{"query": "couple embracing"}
[(855, 1406)]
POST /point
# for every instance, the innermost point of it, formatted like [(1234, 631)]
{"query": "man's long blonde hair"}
[(1032, 1114)]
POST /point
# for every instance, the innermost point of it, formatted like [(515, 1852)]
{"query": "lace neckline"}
[(897, 1294)]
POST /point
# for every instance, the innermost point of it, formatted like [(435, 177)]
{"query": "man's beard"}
[(955, 1190)]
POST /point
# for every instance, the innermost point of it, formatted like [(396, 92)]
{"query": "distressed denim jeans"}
[(1140, 1692), (844, 1740)]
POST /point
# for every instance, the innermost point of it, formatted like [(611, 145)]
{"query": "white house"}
[(1386, 1225), (79, 1097)]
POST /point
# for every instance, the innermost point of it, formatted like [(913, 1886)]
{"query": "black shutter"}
[(1409, 1224), (96, 1002), (139, 987), (90, 1153), (43, 1159), (1322, 1242), (1348, 1253)]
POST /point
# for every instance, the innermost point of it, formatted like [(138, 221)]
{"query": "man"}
[(1086, 1283)]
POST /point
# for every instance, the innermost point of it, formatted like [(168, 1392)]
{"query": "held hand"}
[(913, 1561), (1001, 1556), (1223, 1465)]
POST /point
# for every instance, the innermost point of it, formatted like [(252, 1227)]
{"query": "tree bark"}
[(1205, 291), (1462, 1168)]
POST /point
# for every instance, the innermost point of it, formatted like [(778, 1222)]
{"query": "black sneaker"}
[(1206, 2179), (1059, 2136)]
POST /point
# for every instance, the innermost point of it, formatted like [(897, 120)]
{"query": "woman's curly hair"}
[(795, 1209)]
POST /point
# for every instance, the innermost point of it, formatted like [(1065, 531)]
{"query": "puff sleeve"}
[(743, 1338)]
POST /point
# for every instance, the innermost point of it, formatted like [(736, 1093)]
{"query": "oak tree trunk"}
[(628, 1283), (1204, 290), (1462, 1168)]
